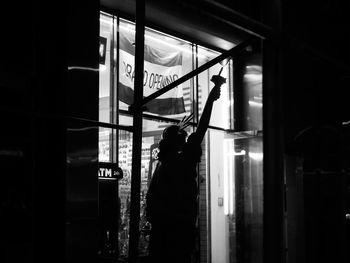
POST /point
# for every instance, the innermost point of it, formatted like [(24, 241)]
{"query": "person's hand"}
[(216, 91), (218, 80)]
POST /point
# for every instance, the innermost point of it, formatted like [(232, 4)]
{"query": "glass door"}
[(236, 171)]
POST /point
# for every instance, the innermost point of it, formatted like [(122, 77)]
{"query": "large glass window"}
[(223, 108), (230, 182)]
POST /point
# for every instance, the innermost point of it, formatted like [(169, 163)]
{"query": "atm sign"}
[(109, 171)]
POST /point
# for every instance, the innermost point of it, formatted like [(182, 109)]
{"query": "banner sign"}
[(160, 69)]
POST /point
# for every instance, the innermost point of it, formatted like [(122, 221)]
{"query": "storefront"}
[(274, 175), (230, 174)]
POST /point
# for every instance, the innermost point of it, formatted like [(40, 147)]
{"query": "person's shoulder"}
[(193, 138), (193, 149)]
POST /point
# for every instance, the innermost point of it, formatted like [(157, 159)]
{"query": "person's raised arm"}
[(213, 96)]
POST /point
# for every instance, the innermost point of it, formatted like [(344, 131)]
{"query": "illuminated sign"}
[(109, 171)]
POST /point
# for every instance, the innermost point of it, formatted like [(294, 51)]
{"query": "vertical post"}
[(274, 250), (273, 121), (137, 134)]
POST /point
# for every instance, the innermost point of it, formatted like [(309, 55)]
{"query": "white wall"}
[(219, 226)]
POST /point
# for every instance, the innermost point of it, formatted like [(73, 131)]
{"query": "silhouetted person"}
[(172, 196)]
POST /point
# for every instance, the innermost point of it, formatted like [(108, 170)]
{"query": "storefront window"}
[(230, 171), (223, 108), (152, 134)]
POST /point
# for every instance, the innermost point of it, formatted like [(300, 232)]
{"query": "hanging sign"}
[(160, 69)]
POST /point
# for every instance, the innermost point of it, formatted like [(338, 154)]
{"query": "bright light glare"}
[(253, 76), (107, 179), (242, 152), (106, 21), (256, 156), (255, 104)]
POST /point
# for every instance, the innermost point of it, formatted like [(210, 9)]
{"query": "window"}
[(222, 194)]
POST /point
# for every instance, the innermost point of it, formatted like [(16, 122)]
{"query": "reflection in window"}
[(252, 92), (236, 186), (246, 224)]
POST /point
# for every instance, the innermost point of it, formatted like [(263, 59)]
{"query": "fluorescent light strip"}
[(253, 76), (226, 192), (239, 153), (107, 179), (255, 104), (256, 68), (231, 186), (83, 68)]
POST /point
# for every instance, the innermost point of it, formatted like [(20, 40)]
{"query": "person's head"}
[(173, 140)]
